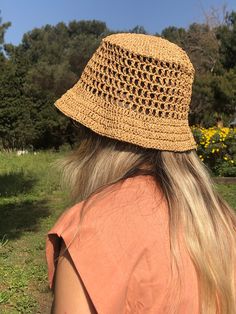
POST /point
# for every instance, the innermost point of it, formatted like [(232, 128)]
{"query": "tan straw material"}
[(136, 88)]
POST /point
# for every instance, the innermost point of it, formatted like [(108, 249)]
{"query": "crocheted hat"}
[(136, 88)]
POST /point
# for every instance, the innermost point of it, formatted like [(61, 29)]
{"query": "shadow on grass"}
[(18, 217), (12, 184)]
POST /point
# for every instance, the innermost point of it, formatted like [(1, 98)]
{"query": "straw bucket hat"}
[(135, 88)]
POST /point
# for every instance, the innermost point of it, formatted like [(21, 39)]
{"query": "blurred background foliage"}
[(50, 60)]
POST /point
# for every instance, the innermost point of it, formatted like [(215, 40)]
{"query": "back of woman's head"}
[(194, 203)]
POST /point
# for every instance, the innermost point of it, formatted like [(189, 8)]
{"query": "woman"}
[(148, 232)]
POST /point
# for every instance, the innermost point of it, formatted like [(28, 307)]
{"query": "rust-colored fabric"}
[(122, 251)]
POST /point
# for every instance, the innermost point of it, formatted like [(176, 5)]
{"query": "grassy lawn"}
[(30, 203)]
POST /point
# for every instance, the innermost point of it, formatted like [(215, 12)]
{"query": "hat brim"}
[(123, 124)]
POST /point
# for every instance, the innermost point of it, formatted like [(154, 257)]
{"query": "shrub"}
[(217, 149)]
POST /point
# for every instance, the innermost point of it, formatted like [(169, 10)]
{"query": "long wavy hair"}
[(192, 198)]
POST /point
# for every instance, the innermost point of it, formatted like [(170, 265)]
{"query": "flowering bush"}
[(217, 149)]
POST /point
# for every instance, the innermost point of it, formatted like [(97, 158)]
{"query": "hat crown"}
[(152, 46), (146, 85)]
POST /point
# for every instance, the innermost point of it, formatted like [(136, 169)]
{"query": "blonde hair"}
[(193, 201)]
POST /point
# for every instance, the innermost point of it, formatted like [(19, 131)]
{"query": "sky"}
[(122, 15)]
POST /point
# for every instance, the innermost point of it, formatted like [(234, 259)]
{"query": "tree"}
[(175, 35), (224, 89), (226, 34), (50, 60), (138, 29), (202, 101), (16, 127), (211, 47), (3, 29), (200, 43)]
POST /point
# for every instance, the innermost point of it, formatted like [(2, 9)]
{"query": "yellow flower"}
[(225, 158)]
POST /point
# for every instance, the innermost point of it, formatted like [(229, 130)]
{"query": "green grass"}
[(228, 191), (30, 203)]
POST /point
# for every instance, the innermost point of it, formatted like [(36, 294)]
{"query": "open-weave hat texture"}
[(135, 88)]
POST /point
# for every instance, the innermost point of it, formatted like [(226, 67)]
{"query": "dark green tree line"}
[(49, 60)]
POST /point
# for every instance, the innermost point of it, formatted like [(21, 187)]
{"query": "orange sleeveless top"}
[(122, 251)]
